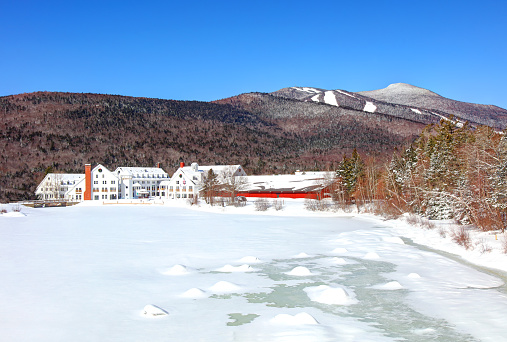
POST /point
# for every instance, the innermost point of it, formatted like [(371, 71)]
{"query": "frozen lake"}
[(89, 273)]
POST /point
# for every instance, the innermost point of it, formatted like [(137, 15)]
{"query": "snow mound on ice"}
[(414, 276), (371, 256), (230, 268), (194, 293), (339, 250), (177, 270), (339, 261), (301, 318), (393, 285), (393, 239), (301, 255), (330, 295), (151, 310), (225, 287), (14, 214), (250, 260), (299, 271)]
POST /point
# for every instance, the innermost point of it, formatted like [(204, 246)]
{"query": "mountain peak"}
[(397, 89)]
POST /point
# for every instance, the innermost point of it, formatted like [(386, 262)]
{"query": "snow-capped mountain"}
[(402, 100)]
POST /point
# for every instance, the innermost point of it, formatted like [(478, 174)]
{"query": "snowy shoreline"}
[(234, 273), (487, 248)]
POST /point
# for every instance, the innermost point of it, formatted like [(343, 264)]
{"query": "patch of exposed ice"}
[(299, 271), (301, 318), (331, 295), (194, 293), (316, 98), (230, 268), (371, 256), (250, 260), (416, 110), (151, 310), (176, 270), (225, 287), (370, 107), (393, 239)]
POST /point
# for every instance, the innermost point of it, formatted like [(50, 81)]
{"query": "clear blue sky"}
[(207, 50)]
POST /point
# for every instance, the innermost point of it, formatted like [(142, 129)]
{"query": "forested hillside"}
[(60, 132)]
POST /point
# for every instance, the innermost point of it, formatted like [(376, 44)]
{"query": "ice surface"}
[(85, 273)]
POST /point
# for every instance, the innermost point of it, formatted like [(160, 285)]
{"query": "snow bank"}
[(177, 270), (371, 256), (299, 271), (194, 293), (338, 261), (225, 287), (301, 318), (301, 255), (393, 239), (13, 214), (331, 295), (250, 260), (230, 268), (339, 250), (151, 310)]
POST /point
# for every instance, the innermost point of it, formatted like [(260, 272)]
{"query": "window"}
[(104, 182), (95, 182), (96, 197), (190, 188), (113, 182), (97, 176), (177, 182)]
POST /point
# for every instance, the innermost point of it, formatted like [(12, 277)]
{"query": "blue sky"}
[(204, 50)]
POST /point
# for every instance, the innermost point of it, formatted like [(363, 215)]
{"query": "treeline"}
[(452, 171)]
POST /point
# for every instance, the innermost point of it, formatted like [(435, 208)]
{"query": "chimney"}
[(182, 164), (158, 165), (88, 182)]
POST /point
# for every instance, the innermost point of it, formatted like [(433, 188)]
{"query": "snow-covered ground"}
[(177, 273)]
